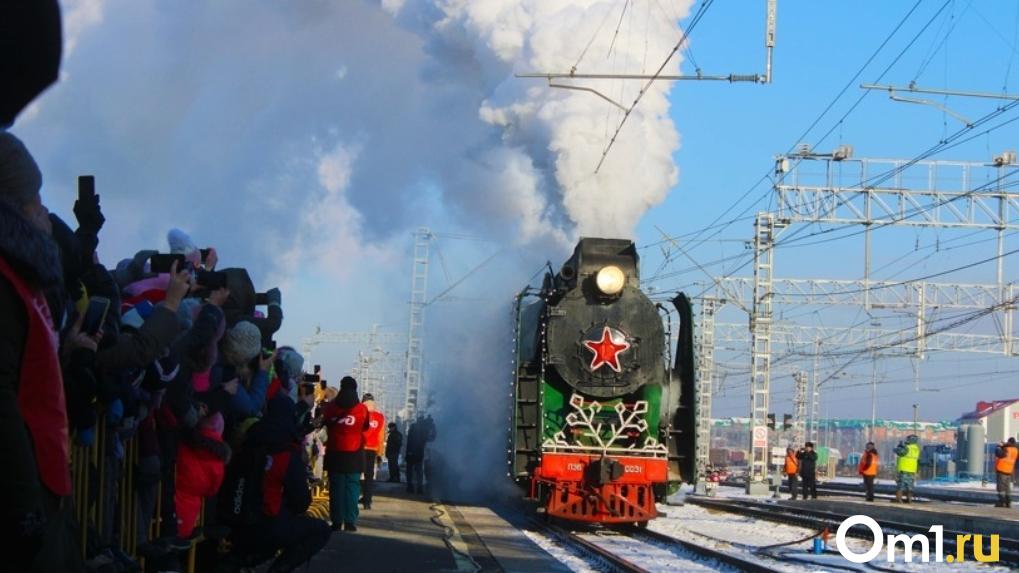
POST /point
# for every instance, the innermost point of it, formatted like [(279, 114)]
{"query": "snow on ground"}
[(564, 556), (700, 525), (654, 558)]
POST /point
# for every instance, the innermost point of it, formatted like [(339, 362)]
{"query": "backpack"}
[(240, 497)]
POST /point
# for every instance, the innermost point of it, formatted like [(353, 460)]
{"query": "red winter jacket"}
[(41, 388), (345, 427), (373, 435), (200, 469), (273, 483)]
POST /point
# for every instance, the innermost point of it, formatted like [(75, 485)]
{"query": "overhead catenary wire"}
[(852, 81), (909, 214), (810, 127), (683, 38)]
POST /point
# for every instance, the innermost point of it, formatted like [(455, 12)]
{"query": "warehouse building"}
[(1000, 419)]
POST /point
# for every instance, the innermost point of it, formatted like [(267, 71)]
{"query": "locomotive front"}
[(602, 421)]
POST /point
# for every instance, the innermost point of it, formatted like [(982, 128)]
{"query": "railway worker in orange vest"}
[(792, 467), (869, 463), (1006, 452), (374, 438)]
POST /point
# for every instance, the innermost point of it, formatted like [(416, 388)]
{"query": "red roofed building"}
[(999, 418)]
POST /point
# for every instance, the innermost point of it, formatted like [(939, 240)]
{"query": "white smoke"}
[(305, 141), (550, 141)]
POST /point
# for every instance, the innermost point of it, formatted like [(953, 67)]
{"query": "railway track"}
[(816, 519), (667, 553)]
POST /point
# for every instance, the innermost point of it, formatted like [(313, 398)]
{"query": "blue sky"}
[(731, 133), (306, 143)]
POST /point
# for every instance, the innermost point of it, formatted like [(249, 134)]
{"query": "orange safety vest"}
[(868, 464), (791, 464), (1006, 464)]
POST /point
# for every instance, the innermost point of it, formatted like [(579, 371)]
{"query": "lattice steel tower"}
[(418, 301)]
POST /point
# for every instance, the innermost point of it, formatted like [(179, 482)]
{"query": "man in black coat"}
[(420, 433), (808, 470), (394, 441)]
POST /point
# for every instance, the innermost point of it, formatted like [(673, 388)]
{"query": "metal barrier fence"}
[(105, 500), (106, 495)]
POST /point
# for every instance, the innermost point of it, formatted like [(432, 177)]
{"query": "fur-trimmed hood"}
[(33, 254)]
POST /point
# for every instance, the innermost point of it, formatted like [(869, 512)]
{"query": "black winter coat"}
[(35, 258), (808, 463), (393, 443)]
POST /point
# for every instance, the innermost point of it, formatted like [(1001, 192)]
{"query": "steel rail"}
[(816, 518), (727, 558), (573, 539)]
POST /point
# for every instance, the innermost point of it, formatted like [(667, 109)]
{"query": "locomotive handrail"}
[(658, 452)]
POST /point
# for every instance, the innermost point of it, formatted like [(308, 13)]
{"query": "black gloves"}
[(89, 214), (273, 296)]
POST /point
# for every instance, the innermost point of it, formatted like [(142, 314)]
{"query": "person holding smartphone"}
[(34, 441)]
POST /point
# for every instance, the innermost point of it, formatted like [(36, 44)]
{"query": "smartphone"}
[(161, 263), (212, 280), (95, 315), (86, 187), (311, 378), (261, 299), (205, 254)]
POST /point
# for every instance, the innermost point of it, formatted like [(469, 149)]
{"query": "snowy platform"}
[(970, 492), (406, 532)]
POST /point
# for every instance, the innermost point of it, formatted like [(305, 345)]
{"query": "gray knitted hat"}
[(242, 343), (20, 179)]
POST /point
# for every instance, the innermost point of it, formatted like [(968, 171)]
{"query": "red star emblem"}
[(607, 350)]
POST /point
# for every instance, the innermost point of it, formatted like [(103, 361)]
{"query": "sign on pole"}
[(760, 436)]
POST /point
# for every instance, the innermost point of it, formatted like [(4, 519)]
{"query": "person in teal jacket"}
[(907, 460)]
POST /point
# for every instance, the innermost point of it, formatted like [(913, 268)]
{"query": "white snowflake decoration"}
[(584, 416)]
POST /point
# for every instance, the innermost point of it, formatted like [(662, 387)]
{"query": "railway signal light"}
[(771, 421), (787, 421)]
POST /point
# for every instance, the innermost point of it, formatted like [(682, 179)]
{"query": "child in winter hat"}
[(241, 343)]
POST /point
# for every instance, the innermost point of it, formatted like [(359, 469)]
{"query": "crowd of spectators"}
[(160, 369), (147, 417), (182, 374)]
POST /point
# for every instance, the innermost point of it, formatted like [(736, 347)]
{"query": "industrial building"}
[(1000, 419)]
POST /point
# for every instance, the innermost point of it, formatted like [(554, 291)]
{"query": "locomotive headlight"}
[(610, 280)]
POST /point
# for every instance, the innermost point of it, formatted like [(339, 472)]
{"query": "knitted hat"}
[(180, 242), (20, 179), (242, 343), (293, 360)]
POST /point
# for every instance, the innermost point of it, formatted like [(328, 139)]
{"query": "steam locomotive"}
[(603, 424)]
